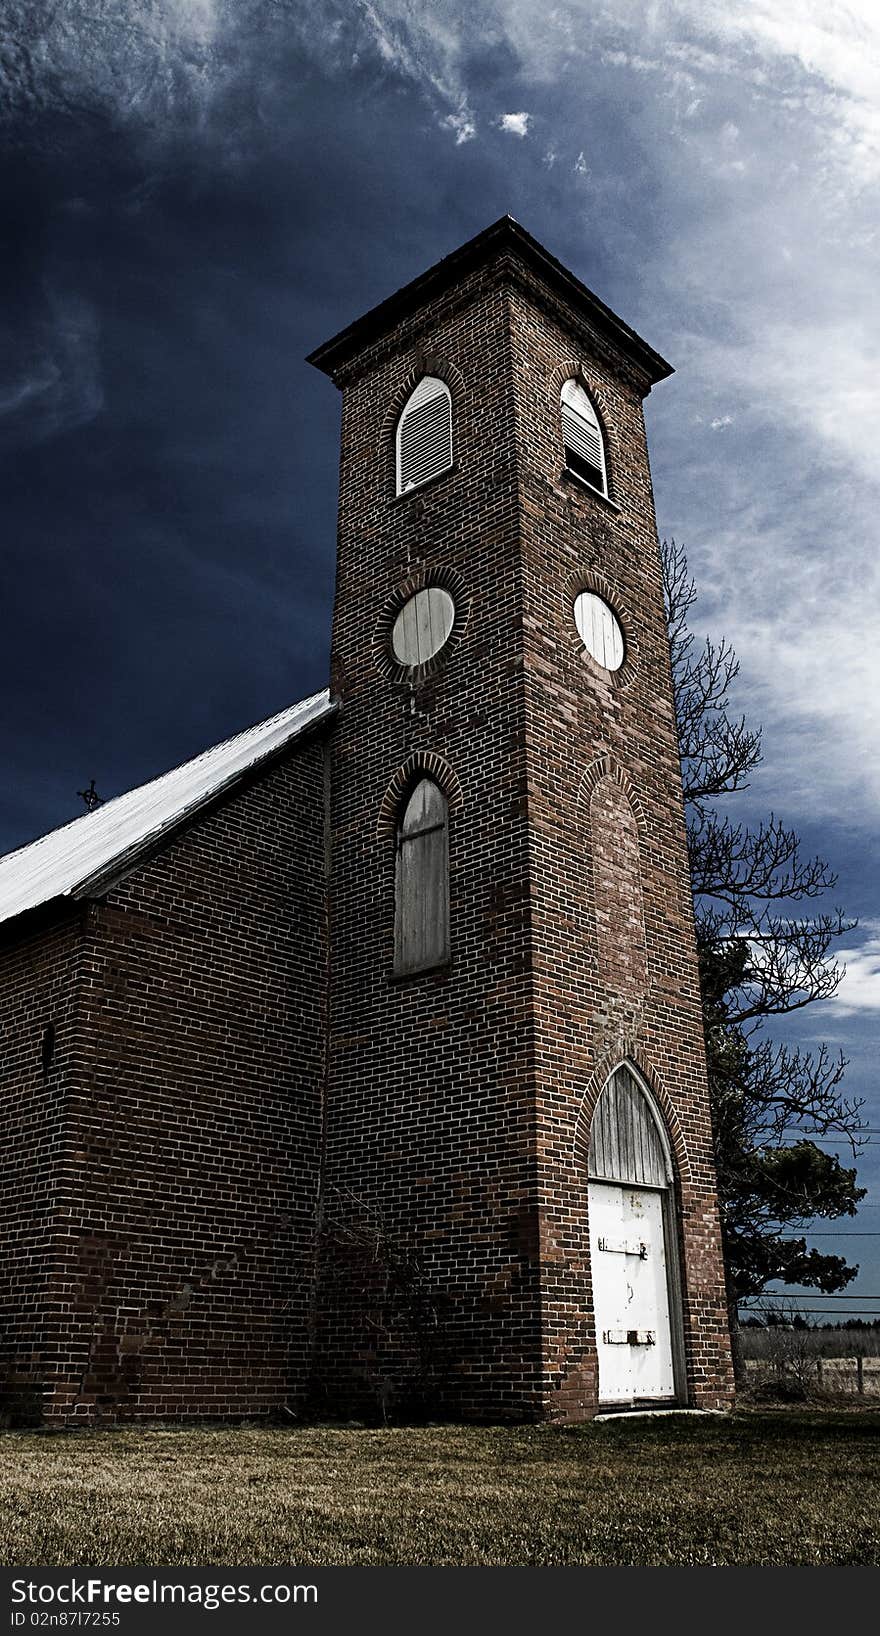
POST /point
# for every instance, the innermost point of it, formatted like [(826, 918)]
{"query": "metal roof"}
[(70, 860)]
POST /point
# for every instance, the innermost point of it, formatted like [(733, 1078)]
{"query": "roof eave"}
[(101, 879), (504, 236), (121, 864)]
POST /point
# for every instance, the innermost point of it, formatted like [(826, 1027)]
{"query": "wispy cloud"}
[(756, 124), (56, 383), (824, 54), (116, 53), (462, 123)]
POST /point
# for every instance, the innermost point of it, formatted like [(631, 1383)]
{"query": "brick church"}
[(356, 1066)]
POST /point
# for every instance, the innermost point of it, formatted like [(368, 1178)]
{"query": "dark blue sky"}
[(195, 193)]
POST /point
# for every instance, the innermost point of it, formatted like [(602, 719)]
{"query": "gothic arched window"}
[(424, 434), (582, 437), (421, 886)]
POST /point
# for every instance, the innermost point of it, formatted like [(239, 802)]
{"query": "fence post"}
[(860, 1374)]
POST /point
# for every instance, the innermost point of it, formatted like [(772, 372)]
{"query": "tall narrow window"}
[(582, 437), (424, 435), (421, 899)]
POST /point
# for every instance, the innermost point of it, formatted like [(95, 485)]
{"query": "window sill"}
[(422, 488), (572, 477), (444, 966)]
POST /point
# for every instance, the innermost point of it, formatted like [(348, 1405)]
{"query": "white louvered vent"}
[(424, 435), (582, 436)]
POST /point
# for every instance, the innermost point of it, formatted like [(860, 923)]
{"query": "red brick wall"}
[(194, 1119), (614, 851), (38, 990), (607, 836), (431, 1121)]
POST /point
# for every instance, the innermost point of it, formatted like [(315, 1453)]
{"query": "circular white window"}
[(423, 625), (599, 630)]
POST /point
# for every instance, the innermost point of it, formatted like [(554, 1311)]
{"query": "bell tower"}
[(518, 1211)]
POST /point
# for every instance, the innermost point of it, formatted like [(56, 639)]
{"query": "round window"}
[(599, 630), (423, 626)]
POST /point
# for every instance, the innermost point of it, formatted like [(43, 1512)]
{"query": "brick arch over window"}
[(426, 363), (587, 579), (607, 767), (627, 1053), (421, 764), (574, 369)]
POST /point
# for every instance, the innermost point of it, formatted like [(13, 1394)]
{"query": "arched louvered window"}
[(424, 435), (582, 437), (625, 1140), (421, 887)]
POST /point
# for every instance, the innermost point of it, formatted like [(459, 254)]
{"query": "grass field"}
[(764, 1344), (764, 1488)]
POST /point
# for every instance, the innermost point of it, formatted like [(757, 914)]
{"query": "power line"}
[(839, 1141)]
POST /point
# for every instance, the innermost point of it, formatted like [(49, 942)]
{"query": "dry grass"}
[(758, 1488), (764, 1344)]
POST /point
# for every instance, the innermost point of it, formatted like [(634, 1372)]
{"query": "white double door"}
[(630, 1293)]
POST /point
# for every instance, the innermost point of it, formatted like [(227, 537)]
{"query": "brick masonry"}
[(460, 1101), (261, 1171), (163, 1262)]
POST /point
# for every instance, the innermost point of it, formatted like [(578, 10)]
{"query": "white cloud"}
[(859, 989), (836, 44), (516, 124), (721, 421)]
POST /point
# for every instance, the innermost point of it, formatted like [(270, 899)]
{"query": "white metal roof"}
[(64, 861)]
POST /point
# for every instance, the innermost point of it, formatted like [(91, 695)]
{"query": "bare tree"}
[(765, 947), (398, 1305)]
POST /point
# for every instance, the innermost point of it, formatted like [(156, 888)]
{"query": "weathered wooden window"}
[(625, 1142), (599, 630), (423, 626), (424, 435), (421, 899), (582, 437)]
